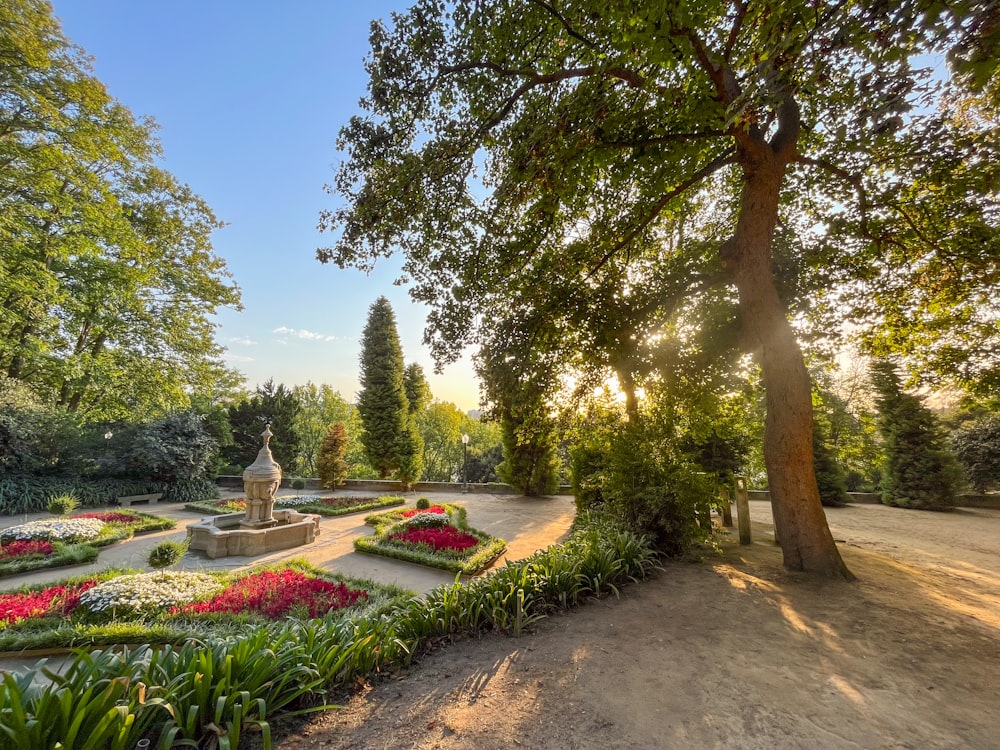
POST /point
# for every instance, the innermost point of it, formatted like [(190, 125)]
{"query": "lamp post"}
[(465, 463)]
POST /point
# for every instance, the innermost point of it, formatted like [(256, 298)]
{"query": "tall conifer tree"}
[(390, 437)]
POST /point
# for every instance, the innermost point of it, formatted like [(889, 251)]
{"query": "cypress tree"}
[(919, 472), (390, 436)]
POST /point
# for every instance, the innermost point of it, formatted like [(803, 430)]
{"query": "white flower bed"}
[(54, 530), (291, 502), (146, 593), (426, 519)]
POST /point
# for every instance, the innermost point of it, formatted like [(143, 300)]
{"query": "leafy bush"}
[(977, 445), (63, 505), (331, 463), (165, 554), (423, 503), (298, 483)]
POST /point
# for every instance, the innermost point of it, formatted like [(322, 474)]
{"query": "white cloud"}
[(302, 333), (244, 340), (237, 358)]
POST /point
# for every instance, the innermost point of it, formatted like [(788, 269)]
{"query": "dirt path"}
[(732, 652)]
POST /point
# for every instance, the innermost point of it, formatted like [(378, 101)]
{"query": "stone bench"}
[(126, 500)]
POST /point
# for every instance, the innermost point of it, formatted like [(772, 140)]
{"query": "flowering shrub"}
[(274, 593), (434, 509), (25, 549), (231, 505), (128, 519), (148, 593), (445, 537), (291, 502), (55, 600), (55, 529)]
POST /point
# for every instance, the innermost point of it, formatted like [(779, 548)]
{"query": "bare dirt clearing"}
[(732, 652)]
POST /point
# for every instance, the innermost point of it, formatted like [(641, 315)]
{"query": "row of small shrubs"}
[(208, 694), (29, 494)]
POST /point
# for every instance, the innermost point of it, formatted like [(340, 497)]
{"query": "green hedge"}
[(26, 494)]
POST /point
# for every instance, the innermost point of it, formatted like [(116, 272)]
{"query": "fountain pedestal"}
[(260, 529)]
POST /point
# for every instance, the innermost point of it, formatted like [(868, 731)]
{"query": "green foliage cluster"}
[(331, 465), (269, 405), (63, 505), (829, 475), (977, 445), (390, 437), (100, 700), (63, 555), (165, 554), (110, 279), (919, 470)]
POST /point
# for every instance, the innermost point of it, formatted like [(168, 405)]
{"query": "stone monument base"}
[(229, 535)]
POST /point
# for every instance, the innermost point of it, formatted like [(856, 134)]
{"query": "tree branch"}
[(668, 138), (565, 24), (852, 179), (713, 166), (734, 32)]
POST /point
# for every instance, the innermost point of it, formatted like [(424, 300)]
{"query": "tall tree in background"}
[(108, 280), (918, 472), (331, 467), (268, 405), (592, 127), (390, 436), (418, 390)]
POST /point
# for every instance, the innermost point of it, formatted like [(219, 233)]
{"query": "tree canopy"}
[(593, 179), (107, 277)]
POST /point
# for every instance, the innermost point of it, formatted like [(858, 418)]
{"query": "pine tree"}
[(829, 474), (330, 462), (919, 472), (270, 405), (390, 436)]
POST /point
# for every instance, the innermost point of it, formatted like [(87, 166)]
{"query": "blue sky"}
[(249, 97)]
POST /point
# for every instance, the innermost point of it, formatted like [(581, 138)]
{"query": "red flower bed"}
[(273, 594), (432, 509), (111, 517), (25, 549), (55, 600), (445, 537)]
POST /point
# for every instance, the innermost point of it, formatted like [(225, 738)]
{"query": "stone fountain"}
[(259, 529)]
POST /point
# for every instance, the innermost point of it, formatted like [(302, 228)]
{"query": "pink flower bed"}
[(432, 509), (111, 517), (25, 549), (445, 537), (55, 600), (273, 594)]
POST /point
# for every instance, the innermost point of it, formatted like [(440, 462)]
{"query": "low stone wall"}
[(387, 486), (875, 498)]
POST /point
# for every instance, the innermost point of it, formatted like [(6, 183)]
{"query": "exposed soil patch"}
[(731, 652)]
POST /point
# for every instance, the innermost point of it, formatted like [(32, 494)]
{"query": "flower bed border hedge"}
[(82, 553), (384, 501), (467, 561)]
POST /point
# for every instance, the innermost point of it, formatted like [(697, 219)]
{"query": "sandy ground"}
[(728, 652)]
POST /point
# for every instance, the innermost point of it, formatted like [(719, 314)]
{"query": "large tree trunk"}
[(805, 538)]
